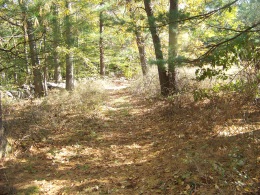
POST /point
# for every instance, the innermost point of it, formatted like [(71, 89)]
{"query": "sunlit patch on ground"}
[(232, 130), (115, 87), (130, 145)]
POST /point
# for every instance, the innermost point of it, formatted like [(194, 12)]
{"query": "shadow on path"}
[(133, 146)]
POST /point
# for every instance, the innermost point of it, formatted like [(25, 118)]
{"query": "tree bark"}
[(163, 77), (69, 55), (3, 140), (172, 50), (101, 45), (139, 41), (141, 49), (35, 61), (26, 55), (45, 67), (56, 40), (37, 72)]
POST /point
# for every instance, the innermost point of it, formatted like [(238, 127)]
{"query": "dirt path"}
[(106, 158), (135, 146)]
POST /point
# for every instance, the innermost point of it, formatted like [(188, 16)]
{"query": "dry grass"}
[(190, 89), (148, 86), (60, 111)]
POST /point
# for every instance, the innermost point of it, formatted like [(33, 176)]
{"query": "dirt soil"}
[(133, 145)]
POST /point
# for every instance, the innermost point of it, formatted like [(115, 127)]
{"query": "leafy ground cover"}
[(110, 141)]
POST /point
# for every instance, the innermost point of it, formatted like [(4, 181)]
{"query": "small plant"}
[(239, 87), (238, 160), (32, 190), (30, 168), (84, 167), (125, 112), (200, 94), (93, 134)]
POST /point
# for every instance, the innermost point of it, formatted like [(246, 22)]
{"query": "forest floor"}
[(132, 145)]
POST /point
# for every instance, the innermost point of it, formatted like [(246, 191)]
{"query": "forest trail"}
[(136, 146)]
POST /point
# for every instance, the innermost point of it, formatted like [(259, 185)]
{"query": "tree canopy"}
[(212, 35)]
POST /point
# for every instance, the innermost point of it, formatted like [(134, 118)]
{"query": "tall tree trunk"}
[(139, 41), (26, 55), (141, 49), (35, 61), (69, 55), (56, 40), (3, 141), (45, 67), (37, 71), (101, 45), (172, 50), (163, 77)]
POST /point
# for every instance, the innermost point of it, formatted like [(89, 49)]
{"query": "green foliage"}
[(204, 73), (223, 39), (219, 168), (200, 37), (200, 94), (239, 86), (32, 190), (238, 160)]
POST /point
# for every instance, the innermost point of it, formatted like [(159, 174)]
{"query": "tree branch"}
[(230, 29), (5, 68), (215, 46), (9, 21), (23, 42), (200, 16)]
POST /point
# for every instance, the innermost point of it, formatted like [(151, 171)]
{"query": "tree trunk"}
[(37, 72), (172, 50), (56, 40), (141, 49), (3, 141), (69, 55), (26, 55), (45, 67), (69, 72), (139, 42), (163, 77), (101, 45), (15, 74)]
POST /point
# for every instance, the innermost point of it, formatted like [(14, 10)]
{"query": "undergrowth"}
[(84, 100), (59, 111), (147, 86), (238, 88)]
